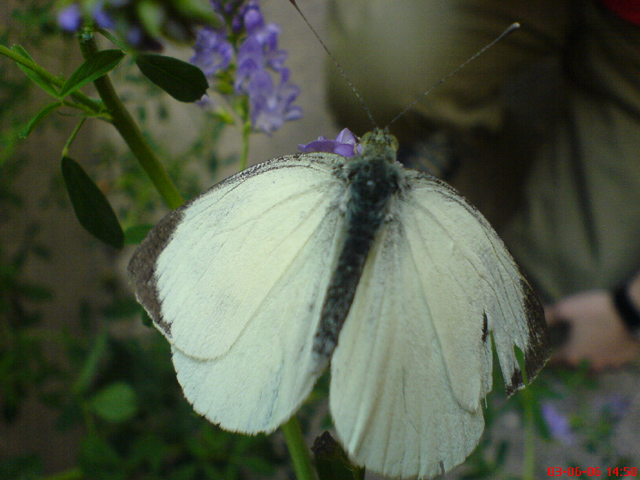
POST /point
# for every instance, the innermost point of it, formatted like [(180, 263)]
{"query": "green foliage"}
[(42, 81), (93, 68), (181, 80), (41, 115), (331, 461), (91, 206)]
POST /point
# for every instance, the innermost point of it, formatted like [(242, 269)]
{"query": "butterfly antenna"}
[(342, 72), (512, 28)]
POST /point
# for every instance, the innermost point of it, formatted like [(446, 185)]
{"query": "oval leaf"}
[(181, 80), (115, 403), (90, 205), (93, 68)]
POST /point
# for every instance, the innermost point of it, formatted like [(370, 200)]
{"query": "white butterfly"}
[(384, 272)]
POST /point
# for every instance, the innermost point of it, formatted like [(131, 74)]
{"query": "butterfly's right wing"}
[(414, 360), (235, 280), (464, 261)]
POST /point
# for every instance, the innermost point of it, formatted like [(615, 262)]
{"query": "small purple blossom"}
[(102, 17), (271, 106), (259, 50), (231, 9), (70, 18), (615, 406), (558, 424), (266, 35), (249, 63), (109, 14), (213, 52), (345, 144)]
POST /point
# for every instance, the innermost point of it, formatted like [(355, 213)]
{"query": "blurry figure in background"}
[(576, 231)]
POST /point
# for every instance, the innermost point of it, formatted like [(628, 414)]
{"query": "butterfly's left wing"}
[(235, 281)]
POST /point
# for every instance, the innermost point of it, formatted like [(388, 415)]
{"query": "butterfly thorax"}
[(373, 179)]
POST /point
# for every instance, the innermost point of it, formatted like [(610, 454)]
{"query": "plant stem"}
[(246, 133), (130, 132), (72, 137), (528, 463), (298, 450)]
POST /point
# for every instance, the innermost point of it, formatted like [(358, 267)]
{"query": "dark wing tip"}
[(142, 267), (539, 346)]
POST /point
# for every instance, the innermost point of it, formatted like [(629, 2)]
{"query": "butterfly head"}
[(379, 143)]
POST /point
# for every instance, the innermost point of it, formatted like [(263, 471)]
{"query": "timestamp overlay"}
[(593, 472)]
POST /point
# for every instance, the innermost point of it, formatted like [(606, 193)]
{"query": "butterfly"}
[(385, 274)]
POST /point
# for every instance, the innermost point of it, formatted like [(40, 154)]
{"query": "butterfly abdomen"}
[(371, 185)]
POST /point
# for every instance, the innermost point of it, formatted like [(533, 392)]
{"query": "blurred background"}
[(87, 390)]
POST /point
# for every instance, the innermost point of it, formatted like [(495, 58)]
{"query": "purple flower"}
[(271, 106), (249, 63), (257, 59), (70, 18), (101, 17), (266, 36), (344, 144), (213, 52), (615, 406), (558, 424)]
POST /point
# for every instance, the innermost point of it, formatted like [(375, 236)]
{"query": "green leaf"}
[(41, 81), (134, 235), (331, 461), (91, 363), (93, 68), (97, 456), (90, 205), (115, 403), (38, 118), (181, 80)]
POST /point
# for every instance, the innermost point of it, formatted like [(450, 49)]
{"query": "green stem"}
[(94, 106), (246, 133), (130, 132), (72, 137), (298, 450), (529, 460), (114, 39)]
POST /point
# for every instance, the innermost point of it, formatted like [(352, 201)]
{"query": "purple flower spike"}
[(344, 144), (257, 57), (272, 106), (70, 18), (558, 424), (212, 51)]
